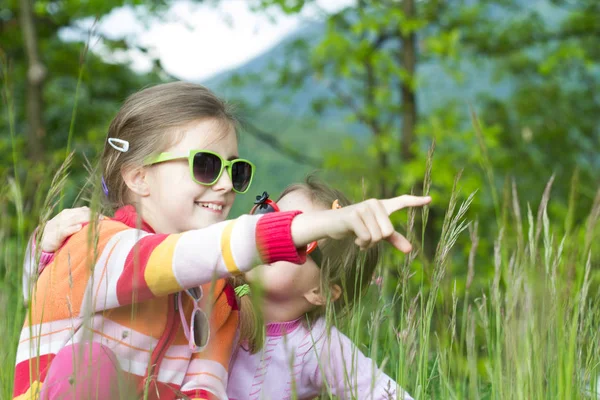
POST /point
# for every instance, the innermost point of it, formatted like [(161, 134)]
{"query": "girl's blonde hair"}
[(343, 264), (148, 120)]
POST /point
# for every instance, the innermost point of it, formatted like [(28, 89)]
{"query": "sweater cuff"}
[(274, 238), (45, 259)]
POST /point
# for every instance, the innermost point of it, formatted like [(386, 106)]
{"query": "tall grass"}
[(530, 333)]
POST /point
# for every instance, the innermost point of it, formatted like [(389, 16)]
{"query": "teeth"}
[(216, 207)]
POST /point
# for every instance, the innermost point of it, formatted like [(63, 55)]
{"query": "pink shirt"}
[(310, 362)]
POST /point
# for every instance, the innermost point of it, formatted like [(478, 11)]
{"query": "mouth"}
[(213, 207)]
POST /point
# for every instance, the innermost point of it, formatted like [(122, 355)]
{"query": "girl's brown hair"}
[(343, 264), (147, 121)]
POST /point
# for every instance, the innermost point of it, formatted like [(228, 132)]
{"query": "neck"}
[(284, 311), (129, 216)]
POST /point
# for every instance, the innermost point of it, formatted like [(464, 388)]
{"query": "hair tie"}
[(119, 144), (242, 290), (104, 187)]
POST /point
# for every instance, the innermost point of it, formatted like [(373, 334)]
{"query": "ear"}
[(136, 180), (317, 298)]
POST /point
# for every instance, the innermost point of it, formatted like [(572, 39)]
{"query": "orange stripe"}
[(177, 358), (226, 249), (46, 334), (204, 373), (120, 341)]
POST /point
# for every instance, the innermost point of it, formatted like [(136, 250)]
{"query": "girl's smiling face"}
[(285, 282), (174, 203)]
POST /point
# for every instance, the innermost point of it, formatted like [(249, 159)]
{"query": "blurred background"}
[(358, 89), (506, 92)]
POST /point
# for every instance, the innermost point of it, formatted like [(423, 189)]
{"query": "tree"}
[(56, 95), (523, 67)]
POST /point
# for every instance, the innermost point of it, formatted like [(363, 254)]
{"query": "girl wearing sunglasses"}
[(124, 299), (118, 310)]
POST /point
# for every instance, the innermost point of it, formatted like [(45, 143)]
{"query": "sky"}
[(195, 42)]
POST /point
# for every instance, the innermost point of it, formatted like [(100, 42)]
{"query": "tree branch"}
[(272, 141), (501, 48), (407, 58)]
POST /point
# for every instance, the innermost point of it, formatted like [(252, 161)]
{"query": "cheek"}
[(273, 277), (164, 178), (284, 281)]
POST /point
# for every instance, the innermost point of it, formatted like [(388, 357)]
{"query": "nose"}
[(224, 183)]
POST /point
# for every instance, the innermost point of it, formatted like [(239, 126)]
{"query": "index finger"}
[(397, 203)]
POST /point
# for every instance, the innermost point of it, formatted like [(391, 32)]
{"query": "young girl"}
[(301, 354), (106, 306)]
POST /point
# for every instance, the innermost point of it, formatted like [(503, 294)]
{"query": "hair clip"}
[(261, 198), (104, 187), (119, 144), (335, 205), (242, 290)]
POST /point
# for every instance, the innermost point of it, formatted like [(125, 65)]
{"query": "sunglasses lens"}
[(200, 328), (206, 167), (241, 175), (195, 292)]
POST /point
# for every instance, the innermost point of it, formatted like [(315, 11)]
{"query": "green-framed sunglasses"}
[(206, 168)]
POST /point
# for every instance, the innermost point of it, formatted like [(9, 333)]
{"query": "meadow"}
[(529, 333)]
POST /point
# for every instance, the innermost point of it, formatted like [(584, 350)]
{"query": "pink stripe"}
[(277, 329)]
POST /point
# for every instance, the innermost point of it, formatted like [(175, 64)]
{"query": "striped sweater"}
[(123, 292)]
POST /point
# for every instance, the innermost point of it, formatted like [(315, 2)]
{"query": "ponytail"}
[(252, 332)]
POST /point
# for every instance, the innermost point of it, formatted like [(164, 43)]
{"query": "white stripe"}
[(243, 243), (119, 341), (29, 270), (167, 375), (119, 334), (131, 359), (180, 350), (140, 368), (50, 344), (47, 327), (108, 270), (198, 365), (206, 382), (198, 257)]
